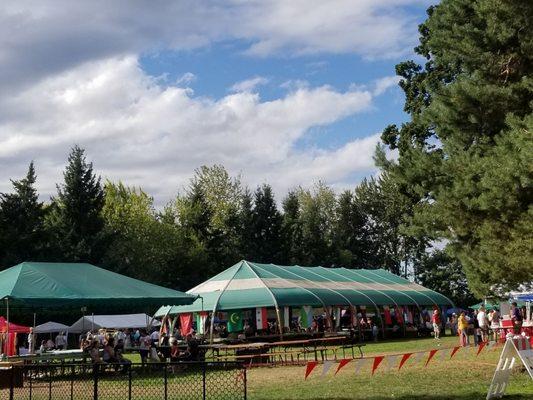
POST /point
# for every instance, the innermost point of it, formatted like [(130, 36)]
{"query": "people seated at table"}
[(174, 350), (193, 351), (94, 352), (119, 355), (109, 351)]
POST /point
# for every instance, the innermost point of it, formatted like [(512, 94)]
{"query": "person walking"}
[(483, 322)]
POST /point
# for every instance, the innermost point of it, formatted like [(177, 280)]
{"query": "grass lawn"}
[(464, 377)]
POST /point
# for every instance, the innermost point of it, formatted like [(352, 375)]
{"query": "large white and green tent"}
[(251, 285)]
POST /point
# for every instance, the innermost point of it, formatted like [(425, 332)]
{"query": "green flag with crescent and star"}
[(235, 321)]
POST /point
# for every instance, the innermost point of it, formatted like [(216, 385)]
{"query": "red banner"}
[(404, 359), (377, 361), (431, 354), (454, 350), (342, 363), (481, 345), (185, 324), (310, 367)]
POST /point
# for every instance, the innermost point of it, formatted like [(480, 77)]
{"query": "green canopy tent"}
[(252, 285), (63, 285)]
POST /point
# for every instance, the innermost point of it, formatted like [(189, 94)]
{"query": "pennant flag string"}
[(480, 347), (377, 361), (405, 357), (342, 363), (454, 350), (431, 354), (310, 367)]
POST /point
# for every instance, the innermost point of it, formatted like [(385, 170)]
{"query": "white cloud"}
[(154, 136), (45, 38), (249, 85), (186, 79), (383, 84)]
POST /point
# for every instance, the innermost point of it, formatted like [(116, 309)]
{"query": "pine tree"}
[(466, 152), (75, 221), (266, 222), (291, 230), (22, 234)]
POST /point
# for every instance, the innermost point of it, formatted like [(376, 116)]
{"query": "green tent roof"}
[(37, 284), (250, 285)]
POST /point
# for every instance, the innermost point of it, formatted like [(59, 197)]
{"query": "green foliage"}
[(465, 154), (74, 221), (22, 234)]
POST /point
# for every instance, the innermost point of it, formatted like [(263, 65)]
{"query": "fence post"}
[(129, 382), (166, 380), (11, 383), (50, 383), (245, 382), (95, 381), (203, 381)]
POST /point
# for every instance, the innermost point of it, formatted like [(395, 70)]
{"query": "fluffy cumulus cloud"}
[(154, 136), (40, 37), (70, 75)]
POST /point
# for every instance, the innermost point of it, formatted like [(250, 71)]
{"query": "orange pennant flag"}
[(431, 354), (310, 367), (377, 361), (404, 359), (342, 363), (481, 345), (454, 350)]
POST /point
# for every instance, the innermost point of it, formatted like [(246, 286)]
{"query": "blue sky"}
[(287, 93)]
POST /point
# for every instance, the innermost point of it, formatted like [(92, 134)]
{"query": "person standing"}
[(462, 326), (483, 324), (437, 321), (31, 342), (516, 317), (61, 341)]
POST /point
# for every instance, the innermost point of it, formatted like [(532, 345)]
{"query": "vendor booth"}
[(36, 285), (8, 336), (121, 321)]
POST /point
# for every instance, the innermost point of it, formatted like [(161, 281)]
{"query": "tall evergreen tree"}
[(75, 221), (466, 152), (246, 227), (22, 234), (266, 222), (291, 230)]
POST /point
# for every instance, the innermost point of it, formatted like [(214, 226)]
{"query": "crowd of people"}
[(108, 347)]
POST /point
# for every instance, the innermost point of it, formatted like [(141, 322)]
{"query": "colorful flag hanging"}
[(201, 318), (306, 316), (235, 321), (399, 315), (326, 367), (261, 319), (286, 317), (377, 361), (404, 359), (310, 367), (342, 363), (386, 314), (185, 324), (431, 354)]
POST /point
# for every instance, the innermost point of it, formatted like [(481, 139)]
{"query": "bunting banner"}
[(375, 364), (326, 367), (404, 359), (261, 319), (393, 360), (480, 347), (310, 367), (342, 363), (430, 356), (454, 350)]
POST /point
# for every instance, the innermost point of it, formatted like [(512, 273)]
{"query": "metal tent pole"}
[(7, 331)]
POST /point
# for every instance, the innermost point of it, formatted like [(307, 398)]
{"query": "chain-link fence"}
[(169, 381)]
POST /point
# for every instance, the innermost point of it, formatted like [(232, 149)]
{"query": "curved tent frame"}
[(252, 285)]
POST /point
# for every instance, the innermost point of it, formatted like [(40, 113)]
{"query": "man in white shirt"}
[(483, 324), (155, 337)]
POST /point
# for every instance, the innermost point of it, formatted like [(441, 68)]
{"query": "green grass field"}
[(466, 376)]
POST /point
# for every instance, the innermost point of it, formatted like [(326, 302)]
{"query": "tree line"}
[(214, 223)]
